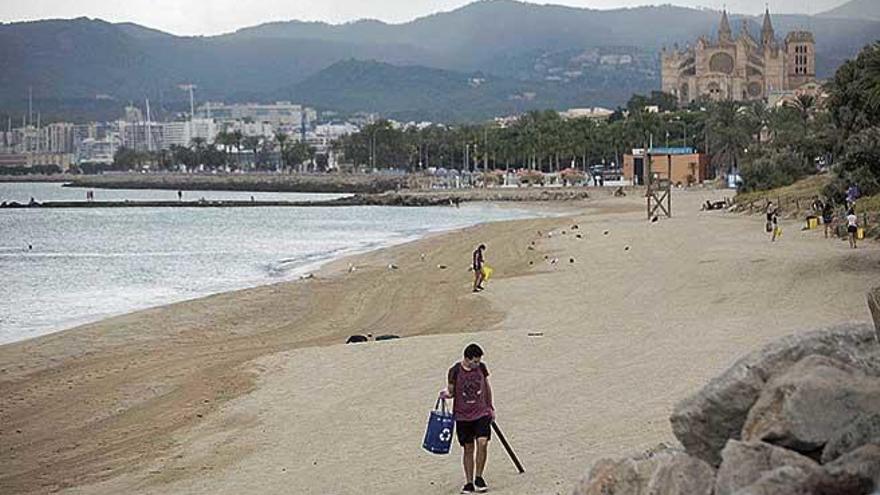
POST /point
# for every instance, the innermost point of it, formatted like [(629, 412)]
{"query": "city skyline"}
[(224, 16)]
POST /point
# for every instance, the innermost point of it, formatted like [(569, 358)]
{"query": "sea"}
[(61, 268)]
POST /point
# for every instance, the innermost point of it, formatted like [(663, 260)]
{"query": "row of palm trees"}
[(729, 132)]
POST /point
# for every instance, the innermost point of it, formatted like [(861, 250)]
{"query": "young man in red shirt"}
[(468, 386)]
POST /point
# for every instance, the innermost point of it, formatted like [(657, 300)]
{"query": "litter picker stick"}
[(507, 448)]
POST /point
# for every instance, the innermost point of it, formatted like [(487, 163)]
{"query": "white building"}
[(282, 113), (93, 150), (182, 133)]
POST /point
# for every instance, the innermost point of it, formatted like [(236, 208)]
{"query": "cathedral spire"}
[(767, 31), (724, 31)]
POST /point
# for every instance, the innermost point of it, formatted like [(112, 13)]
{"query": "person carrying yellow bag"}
[(478, 267)]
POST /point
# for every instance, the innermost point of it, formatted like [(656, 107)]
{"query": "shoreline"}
[(313, 267), (253, 390), (119, 392)]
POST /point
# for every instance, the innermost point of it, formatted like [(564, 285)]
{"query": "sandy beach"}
[(254, 391)]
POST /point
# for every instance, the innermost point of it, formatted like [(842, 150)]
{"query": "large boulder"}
[(856, 473), (804, 407), (704, 422), (863, 430), (859, 468), (787, 480), (659, 471), (744, 463)]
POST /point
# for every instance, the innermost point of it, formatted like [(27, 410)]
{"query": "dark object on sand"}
[(618, 193), (579, 236), (654, 219), (571, 260), (531, 263), (387, 337), (605, 233), (507, 448), (356, 339), (574, 227), (626, 248), (713, 205), (536, 334)]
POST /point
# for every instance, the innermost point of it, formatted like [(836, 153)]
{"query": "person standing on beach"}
[(827, 217), (478, 267), (852, 227), (467, 385), (180, 195), (771, 210)]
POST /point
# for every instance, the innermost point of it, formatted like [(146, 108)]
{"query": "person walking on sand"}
[(478, 267), (467, 385), (774, 225), (771, 210), (827, 217), (852, 227)]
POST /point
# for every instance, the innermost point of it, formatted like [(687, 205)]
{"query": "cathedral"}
[(740, 68)]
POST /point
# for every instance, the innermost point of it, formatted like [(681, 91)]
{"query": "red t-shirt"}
[(472, 398)]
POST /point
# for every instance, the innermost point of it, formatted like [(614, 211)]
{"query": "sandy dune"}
[(249, 392)]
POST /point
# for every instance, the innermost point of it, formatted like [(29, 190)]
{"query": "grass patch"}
[(804, 189), (794, 199)]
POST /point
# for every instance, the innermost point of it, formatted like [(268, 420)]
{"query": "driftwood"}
[(874, 305)]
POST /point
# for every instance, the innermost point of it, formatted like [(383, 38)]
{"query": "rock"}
[(860, 468), (787, 480), (386, 337), (705, 421), (355, 339), (874, 306), (864, 430), (743, 463), (682, 474), (805, 406), (659, 471)]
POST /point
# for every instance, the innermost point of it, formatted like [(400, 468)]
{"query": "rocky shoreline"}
[(800, 416), (266, 182), (402, 198)]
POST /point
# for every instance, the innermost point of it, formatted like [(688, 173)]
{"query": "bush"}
[(530, 177), (775, 168)]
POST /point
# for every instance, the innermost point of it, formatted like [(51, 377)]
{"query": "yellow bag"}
[(487, 272), (860, 233), (812, 223), (778, 232)]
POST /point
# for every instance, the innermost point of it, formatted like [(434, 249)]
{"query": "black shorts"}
[(468, 431), (852, 229)]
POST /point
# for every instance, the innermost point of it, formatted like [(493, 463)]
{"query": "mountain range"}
[(488, 58)]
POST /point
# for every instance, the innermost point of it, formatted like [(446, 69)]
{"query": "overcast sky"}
[(208, 17)]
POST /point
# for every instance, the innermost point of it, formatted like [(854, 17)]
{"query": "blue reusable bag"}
[(438, 437)]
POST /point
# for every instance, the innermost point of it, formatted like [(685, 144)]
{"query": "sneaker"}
[(480, 484), (468, 488)]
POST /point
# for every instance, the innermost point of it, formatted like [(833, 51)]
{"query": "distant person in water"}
[(478, 261), (180, 195)]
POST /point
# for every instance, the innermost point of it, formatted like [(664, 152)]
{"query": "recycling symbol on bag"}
[(445, 434)]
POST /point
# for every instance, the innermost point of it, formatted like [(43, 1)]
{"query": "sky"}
[(209, 17)]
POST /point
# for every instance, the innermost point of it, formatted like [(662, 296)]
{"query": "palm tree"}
[(198, 146), (729, 134), (236, 138), (253, 144), (282, 138)]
